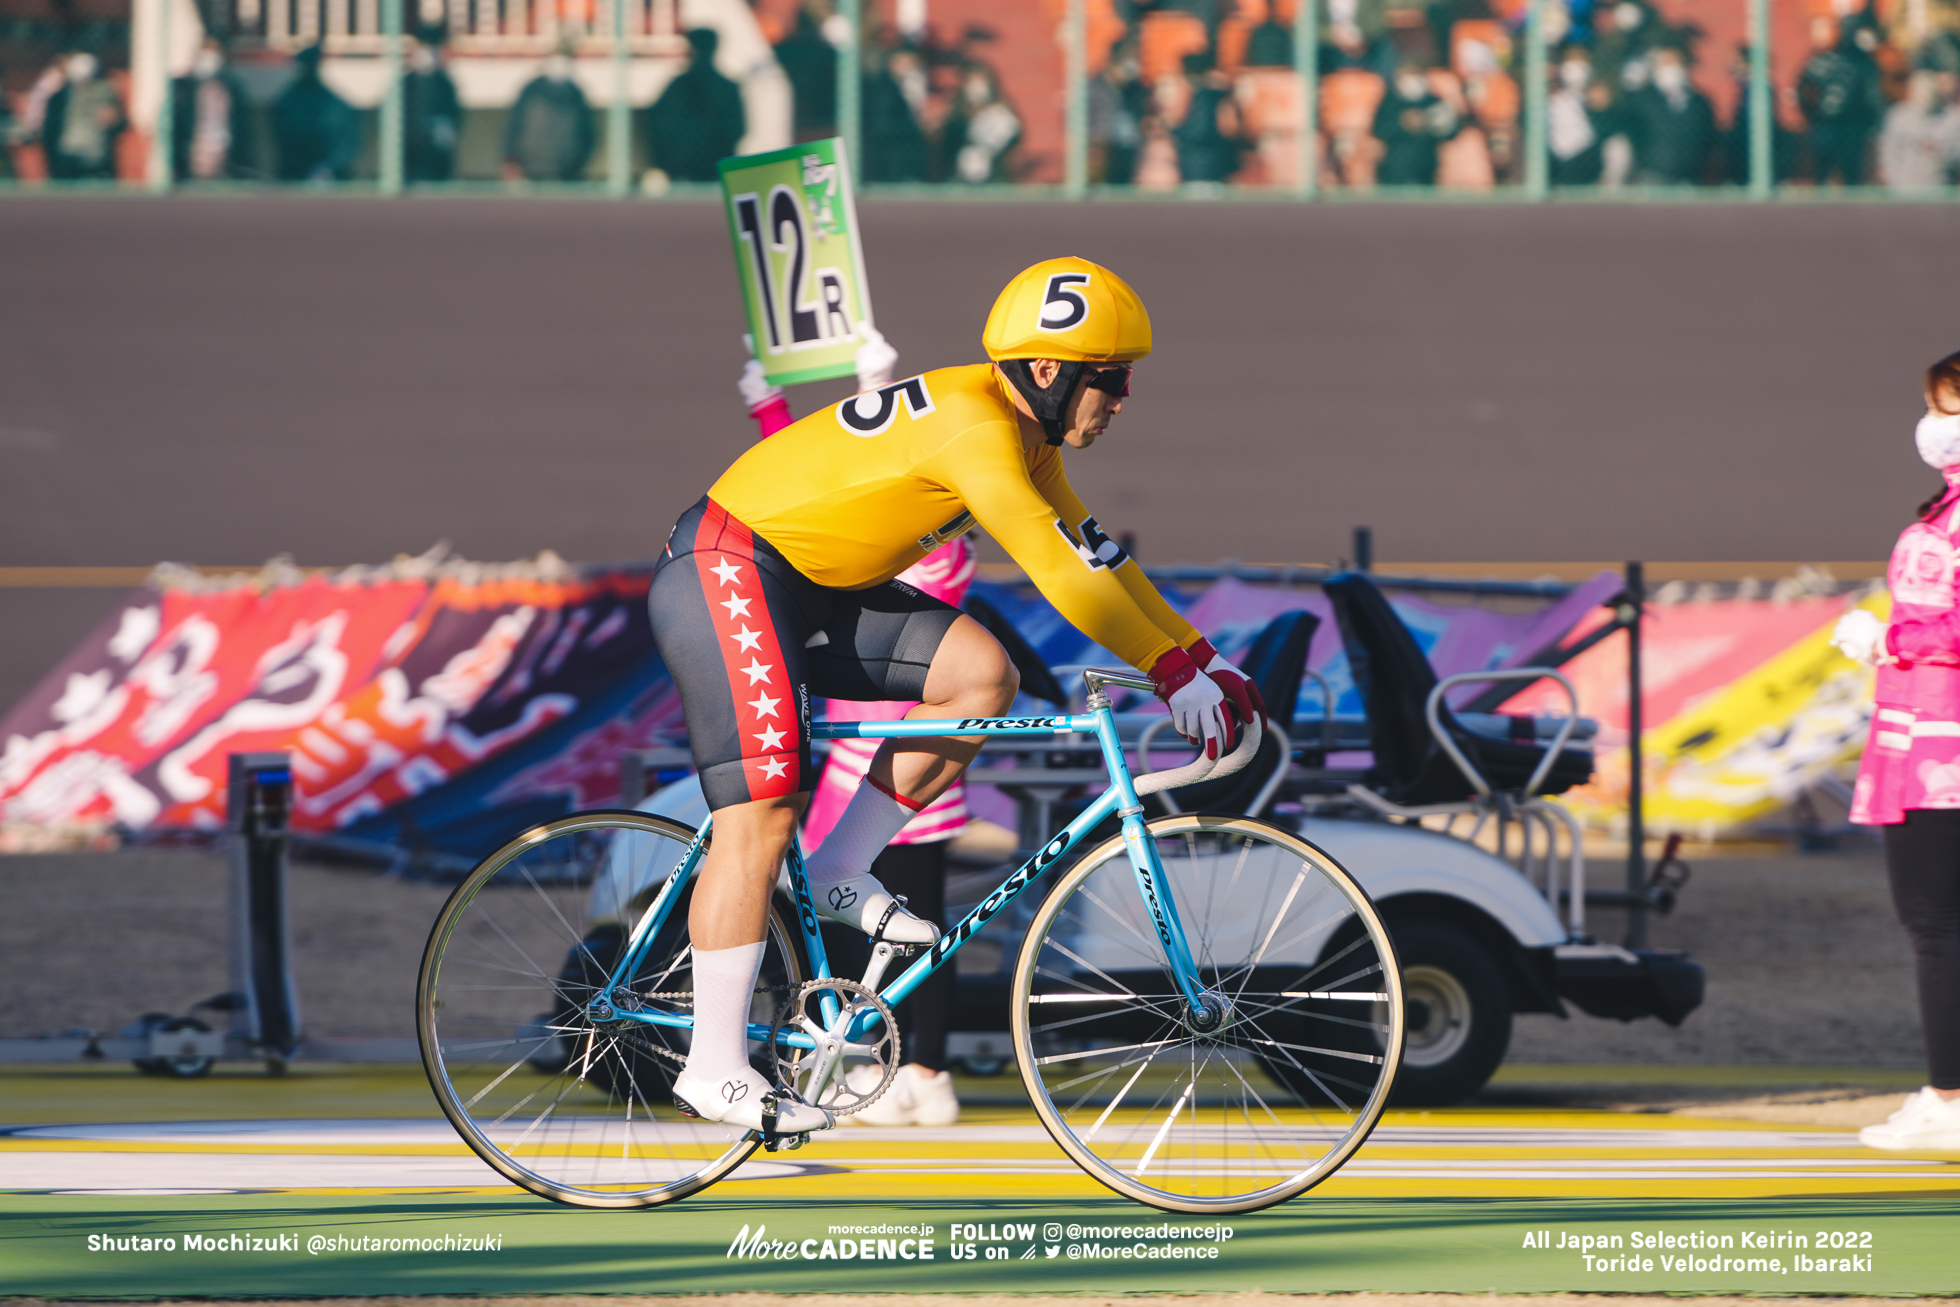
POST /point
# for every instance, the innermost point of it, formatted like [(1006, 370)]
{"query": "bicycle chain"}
[(640, 1042), (787, 996)]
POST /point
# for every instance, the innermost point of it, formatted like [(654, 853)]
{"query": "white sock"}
[(870, 819), (724, 987)]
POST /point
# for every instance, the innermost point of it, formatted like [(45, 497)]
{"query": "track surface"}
[(1003, 1153), (1440, 1200)]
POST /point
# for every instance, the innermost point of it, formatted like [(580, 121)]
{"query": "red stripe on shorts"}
[(764, 702)]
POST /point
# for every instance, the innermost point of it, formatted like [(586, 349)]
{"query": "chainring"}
[(793, 1067)]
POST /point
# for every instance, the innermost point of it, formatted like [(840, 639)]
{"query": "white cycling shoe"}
[(862, 903), (748, 1101)]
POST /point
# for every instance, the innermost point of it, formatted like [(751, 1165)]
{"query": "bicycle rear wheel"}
[(1183, 1118), (576, 1109)]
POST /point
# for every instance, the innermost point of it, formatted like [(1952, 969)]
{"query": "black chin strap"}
[(1046, 403)]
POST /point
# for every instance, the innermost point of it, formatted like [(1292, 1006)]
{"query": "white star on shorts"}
[(770, 737), (727, 571), (764, 706), (757, 671), (775, 769), (748, 640), (737, 606)]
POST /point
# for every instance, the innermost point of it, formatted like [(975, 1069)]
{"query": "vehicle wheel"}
[(574, 1108), (1168, 1112), (181, 1068), (976, 1064), (1459, 1023)]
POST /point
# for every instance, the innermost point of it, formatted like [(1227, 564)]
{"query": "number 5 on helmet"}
[(1073, 311)]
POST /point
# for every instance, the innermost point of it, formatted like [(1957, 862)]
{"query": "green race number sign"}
[(794, 225)]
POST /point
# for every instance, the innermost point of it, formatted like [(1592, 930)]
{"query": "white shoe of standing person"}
[(893, 1107), (933, 1099), (914, 1097), (1924, 1121)]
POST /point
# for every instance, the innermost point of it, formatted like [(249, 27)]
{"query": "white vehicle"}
[(1480, 936)]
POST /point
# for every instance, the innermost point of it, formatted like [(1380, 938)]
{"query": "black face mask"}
[(1048, 404)]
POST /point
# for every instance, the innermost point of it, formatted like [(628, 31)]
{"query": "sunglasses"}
[(1110, 381)]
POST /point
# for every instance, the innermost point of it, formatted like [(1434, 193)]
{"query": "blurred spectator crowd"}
[(1203, 91), (931, 109), (1188, 95), (72, 121)]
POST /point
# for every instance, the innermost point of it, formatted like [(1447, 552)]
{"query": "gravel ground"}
[(1805, 962), (95, 940)]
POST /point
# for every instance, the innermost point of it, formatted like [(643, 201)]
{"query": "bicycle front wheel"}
[(1182, 1117), (572, 1107)]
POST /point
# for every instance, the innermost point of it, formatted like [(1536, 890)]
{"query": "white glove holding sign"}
[(757, 390), (1197, 704), (1860, 636), (875, 359)]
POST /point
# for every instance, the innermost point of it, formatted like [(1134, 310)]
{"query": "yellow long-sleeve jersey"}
[(855, 493)]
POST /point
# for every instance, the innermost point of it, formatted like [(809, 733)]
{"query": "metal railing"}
[(1516, 106), (474, 27)]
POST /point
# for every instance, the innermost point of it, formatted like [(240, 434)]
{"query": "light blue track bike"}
[(1165, 964)]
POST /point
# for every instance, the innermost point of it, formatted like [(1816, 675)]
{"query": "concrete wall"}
[(217, 381)]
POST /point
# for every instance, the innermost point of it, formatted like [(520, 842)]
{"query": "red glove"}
[(1239, 688), (1197, 704)]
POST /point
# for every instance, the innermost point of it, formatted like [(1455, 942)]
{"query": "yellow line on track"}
[(1003, 1153)]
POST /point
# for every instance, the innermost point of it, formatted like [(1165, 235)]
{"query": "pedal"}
[(681, 1106), (775, 1143)]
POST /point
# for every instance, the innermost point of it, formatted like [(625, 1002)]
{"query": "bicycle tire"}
[(571, 1109), (1113, 1066)]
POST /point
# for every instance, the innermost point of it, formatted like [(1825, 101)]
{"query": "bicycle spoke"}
[(1151, 946), (1177, 1115), (1087, 965), (1117, 1101), (557, 1101)]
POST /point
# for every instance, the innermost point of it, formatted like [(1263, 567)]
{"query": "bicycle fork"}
[(1204, 1009)]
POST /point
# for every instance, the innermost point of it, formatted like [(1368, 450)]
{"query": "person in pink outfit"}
[(913, 865), (1909, 780)]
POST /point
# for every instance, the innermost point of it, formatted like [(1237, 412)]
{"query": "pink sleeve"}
[(1934, 639), (1926, 640), (945, 573), (771, 416)]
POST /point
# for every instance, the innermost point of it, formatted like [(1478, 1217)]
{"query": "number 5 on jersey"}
[(873, 412)]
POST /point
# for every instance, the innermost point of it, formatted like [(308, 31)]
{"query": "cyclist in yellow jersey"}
[(778, 585)]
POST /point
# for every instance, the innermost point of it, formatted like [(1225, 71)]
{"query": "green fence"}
[(1193, 99)]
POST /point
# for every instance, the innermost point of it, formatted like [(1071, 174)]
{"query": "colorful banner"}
[(797, 255), (1746, 706), (384, 685), (448, 707)]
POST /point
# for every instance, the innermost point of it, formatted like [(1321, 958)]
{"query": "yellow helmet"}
[(1068, 309)]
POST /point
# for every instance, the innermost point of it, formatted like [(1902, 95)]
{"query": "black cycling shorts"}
[(748, 639)]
